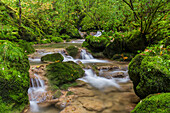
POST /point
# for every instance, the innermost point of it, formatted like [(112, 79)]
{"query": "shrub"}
[(64, 37), (57, 39)]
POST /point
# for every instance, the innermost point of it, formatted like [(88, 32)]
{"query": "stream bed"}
[(108, 91)]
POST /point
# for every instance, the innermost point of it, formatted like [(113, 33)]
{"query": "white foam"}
[(96, 81)]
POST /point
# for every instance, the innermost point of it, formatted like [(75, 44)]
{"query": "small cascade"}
[(36, 93), (98, 34), (96, 81), (85, 55)]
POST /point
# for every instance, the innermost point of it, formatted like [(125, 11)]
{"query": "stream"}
[(109, 91)]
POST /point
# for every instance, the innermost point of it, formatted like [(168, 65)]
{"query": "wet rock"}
[(76, 107), (92, 103), (82, 92)]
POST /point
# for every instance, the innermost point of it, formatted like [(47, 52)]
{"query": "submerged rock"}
[(158, 103), (150, 74)]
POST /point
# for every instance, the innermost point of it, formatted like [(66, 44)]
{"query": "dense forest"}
[(137, 31)]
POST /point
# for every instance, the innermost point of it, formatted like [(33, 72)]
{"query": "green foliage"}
[(52, 58), (45, 41), (14, 75), (72, 51), (57, 39), (158, 103), (64, 37), (63, 72)]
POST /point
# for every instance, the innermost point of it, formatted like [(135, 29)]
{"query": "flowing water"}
[(37, 90)]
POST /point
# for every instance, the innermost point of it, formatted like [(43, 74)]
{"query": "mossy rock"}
[(26, 46), (115, 47), (158, 103), (60, 73), (96, 44), (136, 41), (150, 74), (72, 51), (14, 76), (52, 57)]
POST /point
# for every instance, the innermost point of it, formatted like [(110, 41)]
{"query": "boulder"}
[(158, 103), (150, 74), (63, 72), (96, 44), (115, 47), (72, 51), (52, 57)]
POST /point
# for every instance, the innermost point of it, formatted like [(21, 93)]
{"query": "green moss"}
[(69, 93), (116, 47), (96, 44), (63, 72), (67, 85), (57, 94), (136, 41), (27, 47), (72, 51), (14, 75), (158, 103), (150, 74), (52, 57)]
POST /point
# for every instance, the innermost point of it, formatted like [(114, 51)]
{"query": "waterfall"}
[(85, 55), (36, 92), (98, 34)]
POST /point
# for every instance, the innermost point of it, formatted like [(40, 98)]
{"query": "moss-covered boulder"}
[(72, 51), (150, 74), (63, 72), (26, 46), (115, 47), (158, 103), (136, 41), (52, 57), (96, 44), (14, 77)]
